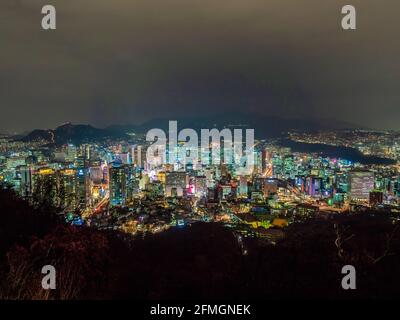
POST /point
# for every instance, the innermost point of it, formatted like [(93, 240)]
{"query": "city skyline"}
[(181, 151)]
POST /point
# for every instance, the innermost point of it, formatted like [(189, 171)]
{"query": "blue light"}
[(77, 222)]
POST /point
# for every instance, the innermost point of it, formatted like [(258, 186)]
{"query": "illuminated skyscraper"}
[(67, 189), (118, 184), (176, 183), (361, 183), (201, 186), (45, 187), (96, 174), (26, 185), (243, 189), (313, 186), (83, 187), (71, 153), (138, 156)]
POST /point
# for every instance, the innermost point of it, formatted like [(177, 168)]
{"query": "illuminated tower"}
[(361, 183), (67, 189), (26, 185), (176, 183), (45, 187), (118, 176)]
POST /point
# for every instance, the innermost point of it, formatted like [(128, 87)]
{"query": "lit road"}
[(103, 202)]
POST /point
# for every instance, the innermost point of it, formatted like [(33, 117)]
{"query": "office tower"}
[(176, 183), (83, 187), (133, 188), (26, 185), (257, 163), (45, 187), (342, 181), (139, 156), (133, 154), (288, 166), (67, 189), (71, 153), (277, 166), (118, 182), (313, 186), (361, 183), (200, 186), (243, 188), (96, 174), (87, 151), (132, 183)]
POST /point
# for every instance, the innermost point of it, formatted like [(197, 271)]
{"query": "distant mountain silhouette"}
[(265, 127), (69, 133)]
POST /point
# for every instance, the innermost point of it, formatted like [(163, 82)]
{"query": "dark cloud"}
[(126, 61)]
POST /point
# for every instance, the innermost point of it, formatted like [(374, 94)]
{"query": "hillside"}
[(202, 261)]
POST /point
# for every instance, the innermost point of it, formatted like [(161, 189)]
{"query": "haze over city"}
[(126, 62)]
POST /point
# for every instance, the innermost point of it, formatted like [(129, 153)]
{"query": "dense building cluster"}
[(112, 185)]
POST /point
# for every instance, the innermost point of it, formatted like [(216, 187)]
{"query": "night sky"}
[(127, 61)]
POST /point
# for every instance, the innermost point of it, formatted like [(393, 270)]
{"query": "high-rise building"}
[(118, 176), (176, 183), (45, 187), (67, 189), (361, 183), (313, 186), (71, 153), (243, 188), (201, 186), (139, 156), (96, 174), (26, 185), (83, 187)]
